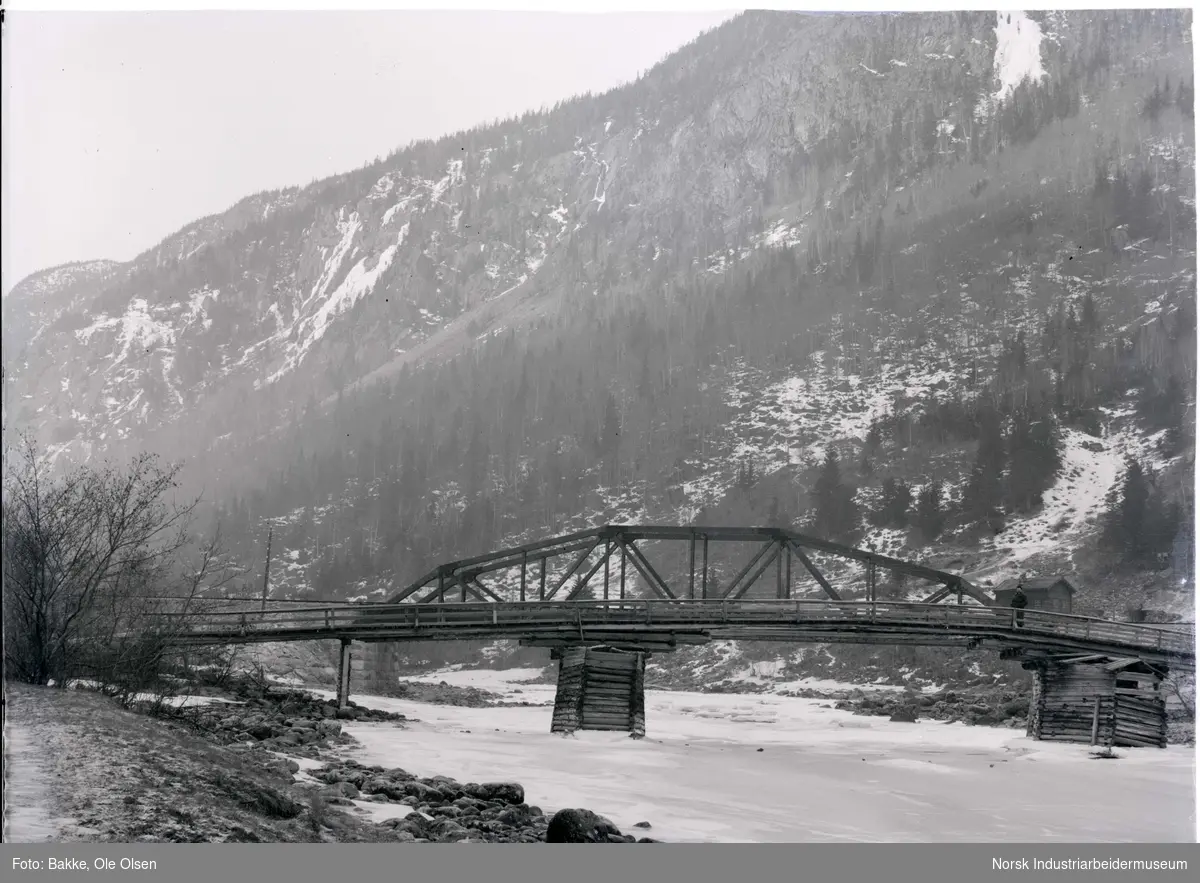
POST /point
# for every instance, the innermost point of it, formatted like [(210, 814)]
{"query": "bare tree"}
[(89, 559), (1181, 687), (138, 655)]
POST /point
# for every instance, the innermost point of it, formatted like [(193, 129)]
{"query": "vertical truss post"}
[(524, 569), (779, 556), (607, 553), (692, 567), (704, 572), (623, 556), (542, 581), (462, 582), (441, 586), (787, 565)]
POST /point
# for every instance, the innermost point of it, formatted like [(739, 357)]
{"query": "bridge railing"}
[(700, 614)]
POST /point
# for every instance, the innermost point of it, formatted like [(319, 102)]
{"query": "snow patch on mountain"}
[(793, 421), (358, 283), (140, 329), (196, 306), (1018, 51), (84, 335), (1089, 471)]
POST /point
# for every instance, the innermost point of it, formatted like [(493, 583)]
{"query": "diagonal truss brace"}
[(812, 568), (769, 555), (758, 556), (562, 581), (578, 590), (646, 569)]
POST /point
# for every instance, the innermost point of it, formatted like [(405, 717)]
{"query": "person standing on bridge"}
[(1019, 601)]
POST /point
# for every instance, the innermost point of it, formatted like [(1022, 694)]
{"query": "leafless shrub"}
[(1180, 687), (100, 572)]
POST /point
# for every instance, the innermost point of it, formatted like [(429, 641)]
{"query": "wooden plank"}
[(613, 665), (612, 673), (616, 671), (637, 699)]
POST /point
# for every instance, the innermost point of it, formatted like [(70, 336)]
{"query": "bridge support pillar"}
[(380, 670), (344, 669), (600, 689)]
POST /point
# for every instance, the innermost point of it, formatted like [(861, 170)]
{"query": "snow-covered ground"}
[(768, 768), (27, 814)]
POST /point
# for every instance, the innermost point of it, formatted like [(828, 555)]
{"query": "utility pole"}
[(267, 569)]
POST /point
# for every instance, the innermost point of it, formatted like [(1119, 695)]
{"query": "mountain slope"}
[(911, 239)]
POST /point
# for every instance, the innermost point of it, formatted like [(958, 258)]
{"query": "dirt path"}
[(28, 808)]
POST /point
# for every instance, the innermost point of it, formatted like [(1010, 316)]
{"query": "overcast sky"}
[(121, 128)]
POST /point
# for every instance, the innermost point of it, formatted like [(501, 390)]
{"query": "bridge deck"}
[(790, 620)]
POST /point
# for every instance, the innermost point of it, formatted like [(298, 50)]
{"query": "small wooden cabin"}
[(1097, 700), (1053, 593)]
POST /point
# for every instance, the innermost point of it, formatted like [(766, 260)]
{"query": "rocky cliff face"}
[(799, 233)]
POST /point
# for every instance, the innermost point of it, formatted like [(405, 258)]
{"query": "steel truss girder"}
[(778, 547)]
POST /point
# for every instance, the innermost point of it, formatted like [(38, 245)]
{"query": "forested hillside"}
[(920, 282)]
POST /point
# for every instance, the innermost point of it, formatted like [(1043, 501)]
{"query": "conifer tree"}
[(1139, 527), (984, 492), (837, 514), (930, 519)]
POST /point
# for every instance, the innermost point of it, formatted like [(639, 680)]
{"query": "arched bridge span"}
[(606, 586), (606, 598)]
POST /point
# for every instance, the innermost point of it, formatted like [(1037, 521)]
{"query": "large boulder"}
[(446, 831), (386, 787), (518, 816), (422, 792), (501, 792), (340, 789), (581, 826)]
